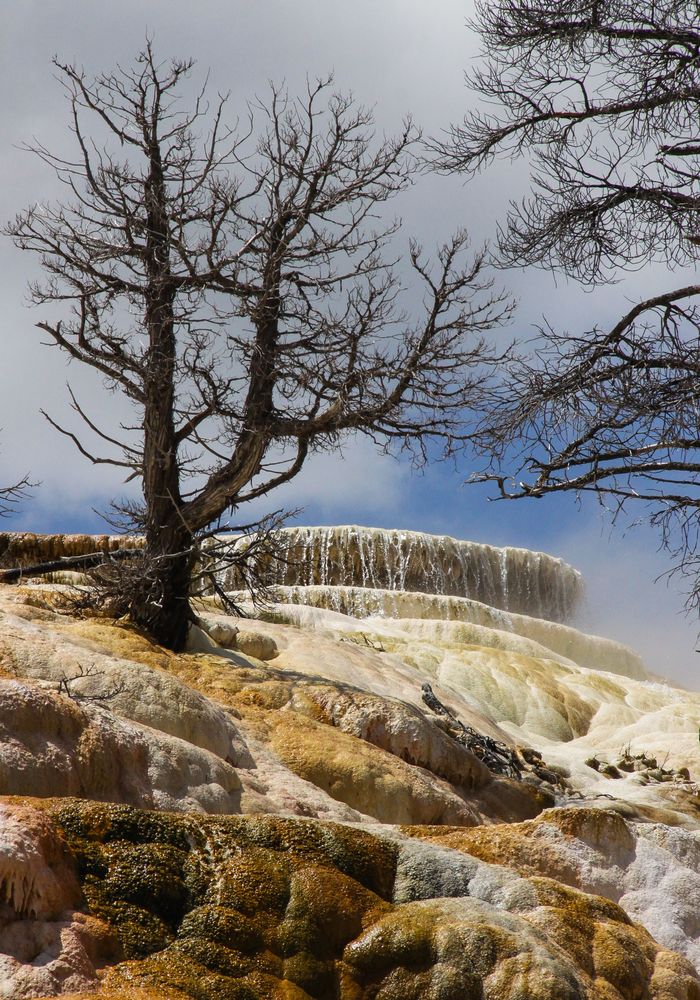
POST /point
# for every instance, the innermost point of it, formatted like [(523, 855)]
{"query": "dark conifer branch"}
[(603, 98)]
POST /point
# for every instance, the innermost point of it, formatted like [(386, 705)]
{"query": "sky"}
[(399, 57)]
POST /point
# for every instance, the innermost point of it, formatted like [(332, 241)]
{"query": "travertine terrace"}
[(510, 579), (277, 813)]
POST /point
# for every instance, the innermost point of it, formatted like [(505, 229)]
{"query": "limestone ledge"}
[(462, 621), (512, 579)]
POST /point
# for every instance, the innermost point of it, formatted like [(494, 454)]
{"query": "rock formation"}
[(511, 579), (282, 813)]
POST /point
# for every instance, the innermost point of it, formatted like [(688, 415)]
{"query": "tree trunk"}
[(161, 601)]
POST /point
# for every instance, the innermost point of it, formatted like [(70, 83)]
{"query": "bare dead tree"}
[(603, 100), (239, 287)]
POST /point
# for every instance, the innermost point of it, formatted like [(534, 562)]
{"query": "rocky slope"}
[(280, 813)]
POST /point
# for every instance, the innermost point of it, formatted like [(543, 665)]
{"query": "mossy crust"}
[(270, 908), (227, 908)]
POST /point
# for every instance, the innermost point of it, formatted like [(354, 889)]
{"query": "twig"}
[(64, 686)]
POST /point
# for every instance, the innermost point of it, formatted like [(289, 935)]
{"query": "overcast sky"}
[(401, 57)]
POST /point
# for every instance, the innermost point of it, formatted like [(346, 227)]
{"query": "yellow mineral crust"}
[(366, 778), (378, 756)]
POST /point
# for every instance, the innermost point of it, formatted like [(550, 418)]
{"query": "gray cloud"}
[(399, 56)]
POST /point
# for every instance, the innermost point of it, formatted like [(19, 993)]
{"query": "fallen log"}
[(67, 562), (495, 755)]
